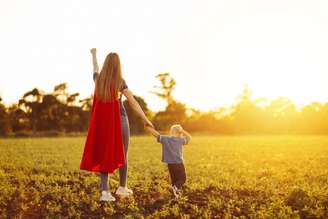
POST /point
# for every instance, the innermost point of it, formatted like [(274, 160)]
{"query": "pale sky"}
[(211, 48)]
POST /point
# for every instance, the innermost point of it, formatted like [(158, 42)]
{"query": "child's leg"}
[(104, 181), (180, 175), (172, 172)]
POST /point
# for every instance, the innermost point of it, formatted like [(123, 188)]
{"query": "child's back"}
[(172, 148)]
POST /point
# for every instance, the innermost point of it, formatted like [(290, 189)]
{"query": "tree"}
[(72, 98), (60, 91), (282, 115), (4, 120), (174, 112), (19, 120), (86, 103), (245, 114), (31, 104), (51, 114), (57, 111), (136, 123), (167, 86), (312, 119)]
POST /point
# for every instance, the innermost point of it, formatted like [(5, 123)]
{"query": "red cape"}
[(104, 150)]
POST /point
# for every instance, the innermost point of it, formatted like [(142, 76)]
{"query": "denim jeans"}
[(124, 169)]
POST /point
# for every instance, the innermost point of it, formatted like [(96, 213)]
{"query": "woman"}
[(106, 147)]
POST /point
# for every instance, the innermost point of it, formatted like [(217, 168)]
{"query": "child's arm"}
[(187, 135), (152, 131)]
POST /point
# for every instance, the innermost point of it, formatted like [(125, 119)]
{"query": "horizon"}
[(212, 49), (260, 102)]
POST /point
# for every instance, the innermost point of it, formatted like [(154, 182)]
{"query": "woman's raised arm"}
[(94, 60)]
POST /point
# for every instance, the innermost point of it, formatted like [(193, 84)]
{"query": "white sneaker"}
[(107, 196), (123, 192)]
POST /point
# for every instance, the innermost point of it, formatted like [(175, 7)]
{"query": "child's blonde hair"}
[(175, 129)]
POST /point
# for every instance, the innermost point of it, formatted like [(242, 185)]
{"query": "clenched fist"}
[(93, 51)]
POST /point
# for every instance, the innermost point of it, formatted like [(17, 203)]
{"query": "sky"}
[(211, 47)]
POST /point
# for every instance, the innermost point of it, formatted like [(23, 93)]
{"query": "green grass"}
[(227, 177)]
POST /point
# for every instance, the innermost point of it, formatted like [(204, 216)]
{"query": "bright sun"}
[(272, 73)]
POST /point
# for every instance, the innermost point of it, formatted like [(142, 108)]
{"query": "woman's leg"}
[(126, 137), (104, 181), (106, 195)]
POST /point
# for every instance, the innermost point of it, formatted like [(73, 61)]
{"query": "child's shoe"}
[(107, 196), (123, 191), (176, 192)]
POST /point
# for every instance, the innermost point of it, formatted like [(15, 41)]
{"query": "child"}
[(172, 154)]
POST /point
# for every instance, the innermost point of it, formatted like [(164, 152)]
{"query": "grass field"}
[(227, 177)]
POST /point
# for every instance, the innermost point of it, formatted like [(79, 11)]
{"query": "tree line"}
[(62, 112)]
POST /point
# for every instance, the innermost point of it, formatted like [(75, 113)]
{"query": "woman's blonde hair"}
[(109, 81)]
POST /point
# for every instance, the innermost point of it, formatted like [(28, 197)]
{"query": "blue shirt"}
[(124, 86), (172, 148)]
